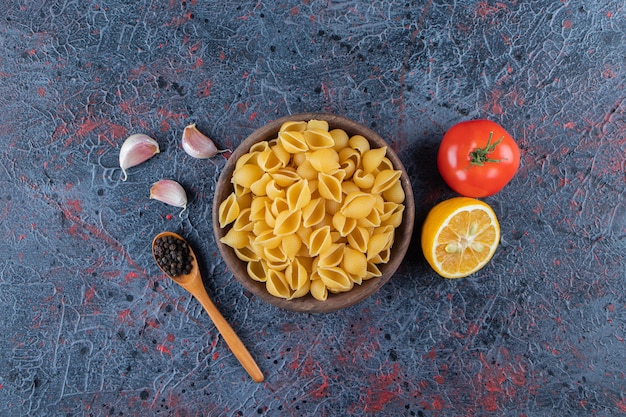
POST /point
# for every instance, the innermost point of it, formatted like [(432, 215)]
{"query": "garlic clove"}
[(135, 150), (198, 145), (169, 192)]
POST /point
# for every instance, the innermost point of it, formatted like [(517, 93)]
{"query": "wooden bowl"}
[(308, 304)]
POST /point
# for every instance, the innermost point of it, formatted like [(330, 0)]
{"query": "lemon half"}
[(460, 236)]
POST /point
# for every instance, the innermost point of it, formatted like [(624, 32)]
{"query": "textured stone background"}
[(91, 327)]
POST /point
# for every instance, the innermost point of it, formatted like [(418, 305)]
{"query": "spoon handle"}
[(231, 338)]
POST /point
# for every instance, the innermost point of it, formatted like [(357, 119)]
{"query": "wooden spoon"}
[(192, 282)]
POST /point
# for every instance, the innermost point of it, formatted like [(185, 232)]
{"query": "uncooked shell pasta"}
[(313, 211)]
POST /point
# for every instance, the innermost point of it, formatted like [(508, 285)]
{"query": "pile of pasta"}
[(313, 210)]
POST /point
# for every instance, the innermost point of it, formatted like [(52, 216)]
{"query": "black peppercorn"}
[(173, 256)]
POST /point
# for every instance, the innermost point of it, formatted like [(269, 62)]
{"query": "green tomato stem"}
[(479, 156)]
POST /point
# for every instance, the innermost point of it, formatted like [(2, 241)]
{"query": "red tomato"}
[(477, 158)]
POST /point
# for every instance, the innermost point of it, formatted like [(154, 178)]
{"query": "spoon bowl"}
[(192, 282)]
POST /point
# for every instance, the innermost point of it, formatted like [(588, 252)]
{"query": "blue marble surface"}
[(90, 327)]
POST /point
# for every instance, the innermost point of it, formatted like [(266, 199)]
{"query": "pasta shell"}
[(244, 200), (359, 143), (379, 203), (297, 126), (314, 212), (246, 158), (278, 206), (247, 254), (304, 233), (385, 164), (313, 274), (291, 245), (297, 275), (318, 139), (307, 262), (315, 124), (257, 270), (340, 137), (335, 236), (268, 239), (313, 185), (284, 177), (319, 290), (377, 243), (332, 206), (273, 191), (388, 209), (354, 262), (358, 205), (269, 218), (362, 180), (246, 175), (371, 220), (331, 256), (394, 217), (259, 147), (243, 222), (328, 221), (287, 222), (329, 187), (278, 266), (320, 240), (359, 238), (342, 224), (350, 154), (395, 193), (280, 152), (268, 161), (384, 229), (236, 239), (259, 186), (349, 187), (292, 141), (275, 255), (372, 271), (348, 166), (373, 158), (324, 160), (335, 279), (276, 284), (302, 291), (228, 210), (385, 180), (356, 279), (298, 159), (382, 257), (339, 173), (240, 190), (259, 227), (257, 208), (298, 195), (306, 171)]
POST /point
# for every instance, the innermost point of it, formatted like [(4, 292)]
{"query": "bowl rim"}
[(308, 304)]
